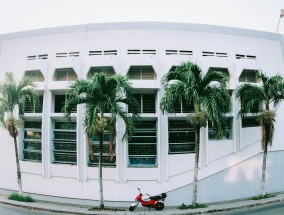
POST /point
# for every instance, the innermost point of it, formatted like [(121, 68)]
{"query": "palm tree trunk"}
[(19, 178), (91, 150), (195, 176), (263, 170), (101, 170)]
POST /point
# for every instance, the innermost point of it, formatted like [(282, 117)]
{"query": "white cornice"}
[(169, 26)]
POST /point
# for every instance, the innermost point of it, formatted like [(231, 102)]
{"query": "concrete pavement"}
[(78, 209)]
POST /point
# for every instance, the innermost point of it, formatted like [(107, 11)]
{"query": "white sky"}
[(20, 15)]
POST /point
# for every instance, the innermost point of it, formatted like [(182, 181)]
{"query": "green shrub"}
[(183, 206), (95, 208), (21, 198), (265, 196)]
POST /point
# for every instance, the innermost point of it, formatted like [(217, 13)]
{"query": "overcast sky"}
[(21, 15)]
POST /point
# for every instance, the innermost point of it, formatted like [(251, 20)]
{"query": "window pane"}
[(65, 146), (64, 136), (107, 70), (186, 108), (134, 73), (32, 156), (142, 147), (65, 74), (32, 145), (250, 122), (212, 130), (225, 71), (177, 107), (183, 107), (249, 76), (31, 134), (65, 158), (181, 148), (36, 75), (64, 125), (32, 141), (64, 143), (141, 73), (149, 103), (181, 137), (29, 108), (142, 161), (59, 102), (105, 148), (107, 161), (30, 124)]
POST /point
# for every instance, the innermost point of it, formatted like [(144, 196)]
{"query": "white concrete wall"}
[(220, 161)]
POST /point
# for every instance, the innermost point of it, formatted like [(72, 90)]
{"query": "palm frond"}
[(207, 93), (102, 94), (13, 96), (214, 77), (250, 96), (173, 93)]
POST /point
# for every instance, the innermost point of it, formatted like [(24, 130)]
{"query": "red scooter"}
[(156, 202)]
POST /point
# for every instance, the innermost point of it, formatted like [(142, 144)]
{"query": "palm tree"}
[(270, 94), (102, 94), (208, 94), (13, 96)]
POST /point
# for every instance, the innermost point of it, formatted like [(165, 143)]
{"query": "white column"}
[(47, 134)]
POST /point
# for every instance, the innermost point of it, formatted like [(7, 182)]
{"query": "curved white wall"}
[(229, 169)]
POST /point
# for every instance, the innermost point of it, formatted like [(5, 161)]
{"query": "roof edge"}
[(144, 26)]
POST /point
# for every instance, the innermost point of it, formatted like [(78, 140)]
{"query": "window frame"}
[(95, 143), (145, 109), (56, 109), (36, 75), (250, 125), (184, 129), (64, 141), (247, 79), (37, 108), (70, 75), (228, 128), (27, 141), (107, 70), (144, 157), (139, 73)]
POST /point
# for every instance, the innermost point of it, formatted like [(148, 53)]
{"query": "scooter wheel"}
[(159, 206), (131, 208)]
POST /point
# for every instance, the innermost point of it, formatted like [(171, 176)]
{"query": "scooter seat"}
[(155, 197), (162, 196)]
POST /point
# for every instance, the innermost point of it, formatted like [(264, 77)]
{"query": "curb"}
[(79, 210)]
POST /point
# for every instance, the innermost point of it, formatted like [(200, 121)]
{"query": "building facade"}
[(55, 161)]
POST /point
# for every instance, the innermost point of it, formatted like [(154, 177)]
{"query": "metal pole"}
[(281, 16)]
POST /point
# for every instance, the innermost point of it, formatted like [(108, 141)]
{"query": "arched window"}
[(142, 73)]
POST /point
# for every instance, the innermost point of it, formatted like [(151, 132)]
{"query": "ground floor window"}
[(212, 130), (107, 159), (181, 137), (250, 122), (142, 147), (147, 103), (64, 143), (32, 141)]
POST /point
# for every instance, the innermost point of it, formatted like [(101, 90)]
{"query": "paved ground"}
[(77, 209)]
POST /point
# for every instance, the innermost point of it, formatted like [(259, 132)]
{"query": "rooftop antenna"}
[(281, 16)]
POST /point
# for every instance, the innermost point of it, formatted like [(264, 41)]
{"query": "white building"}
[(55, 163)]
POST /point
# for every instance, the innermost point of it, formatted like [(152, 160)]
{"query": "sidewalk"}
[(78, 209)]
